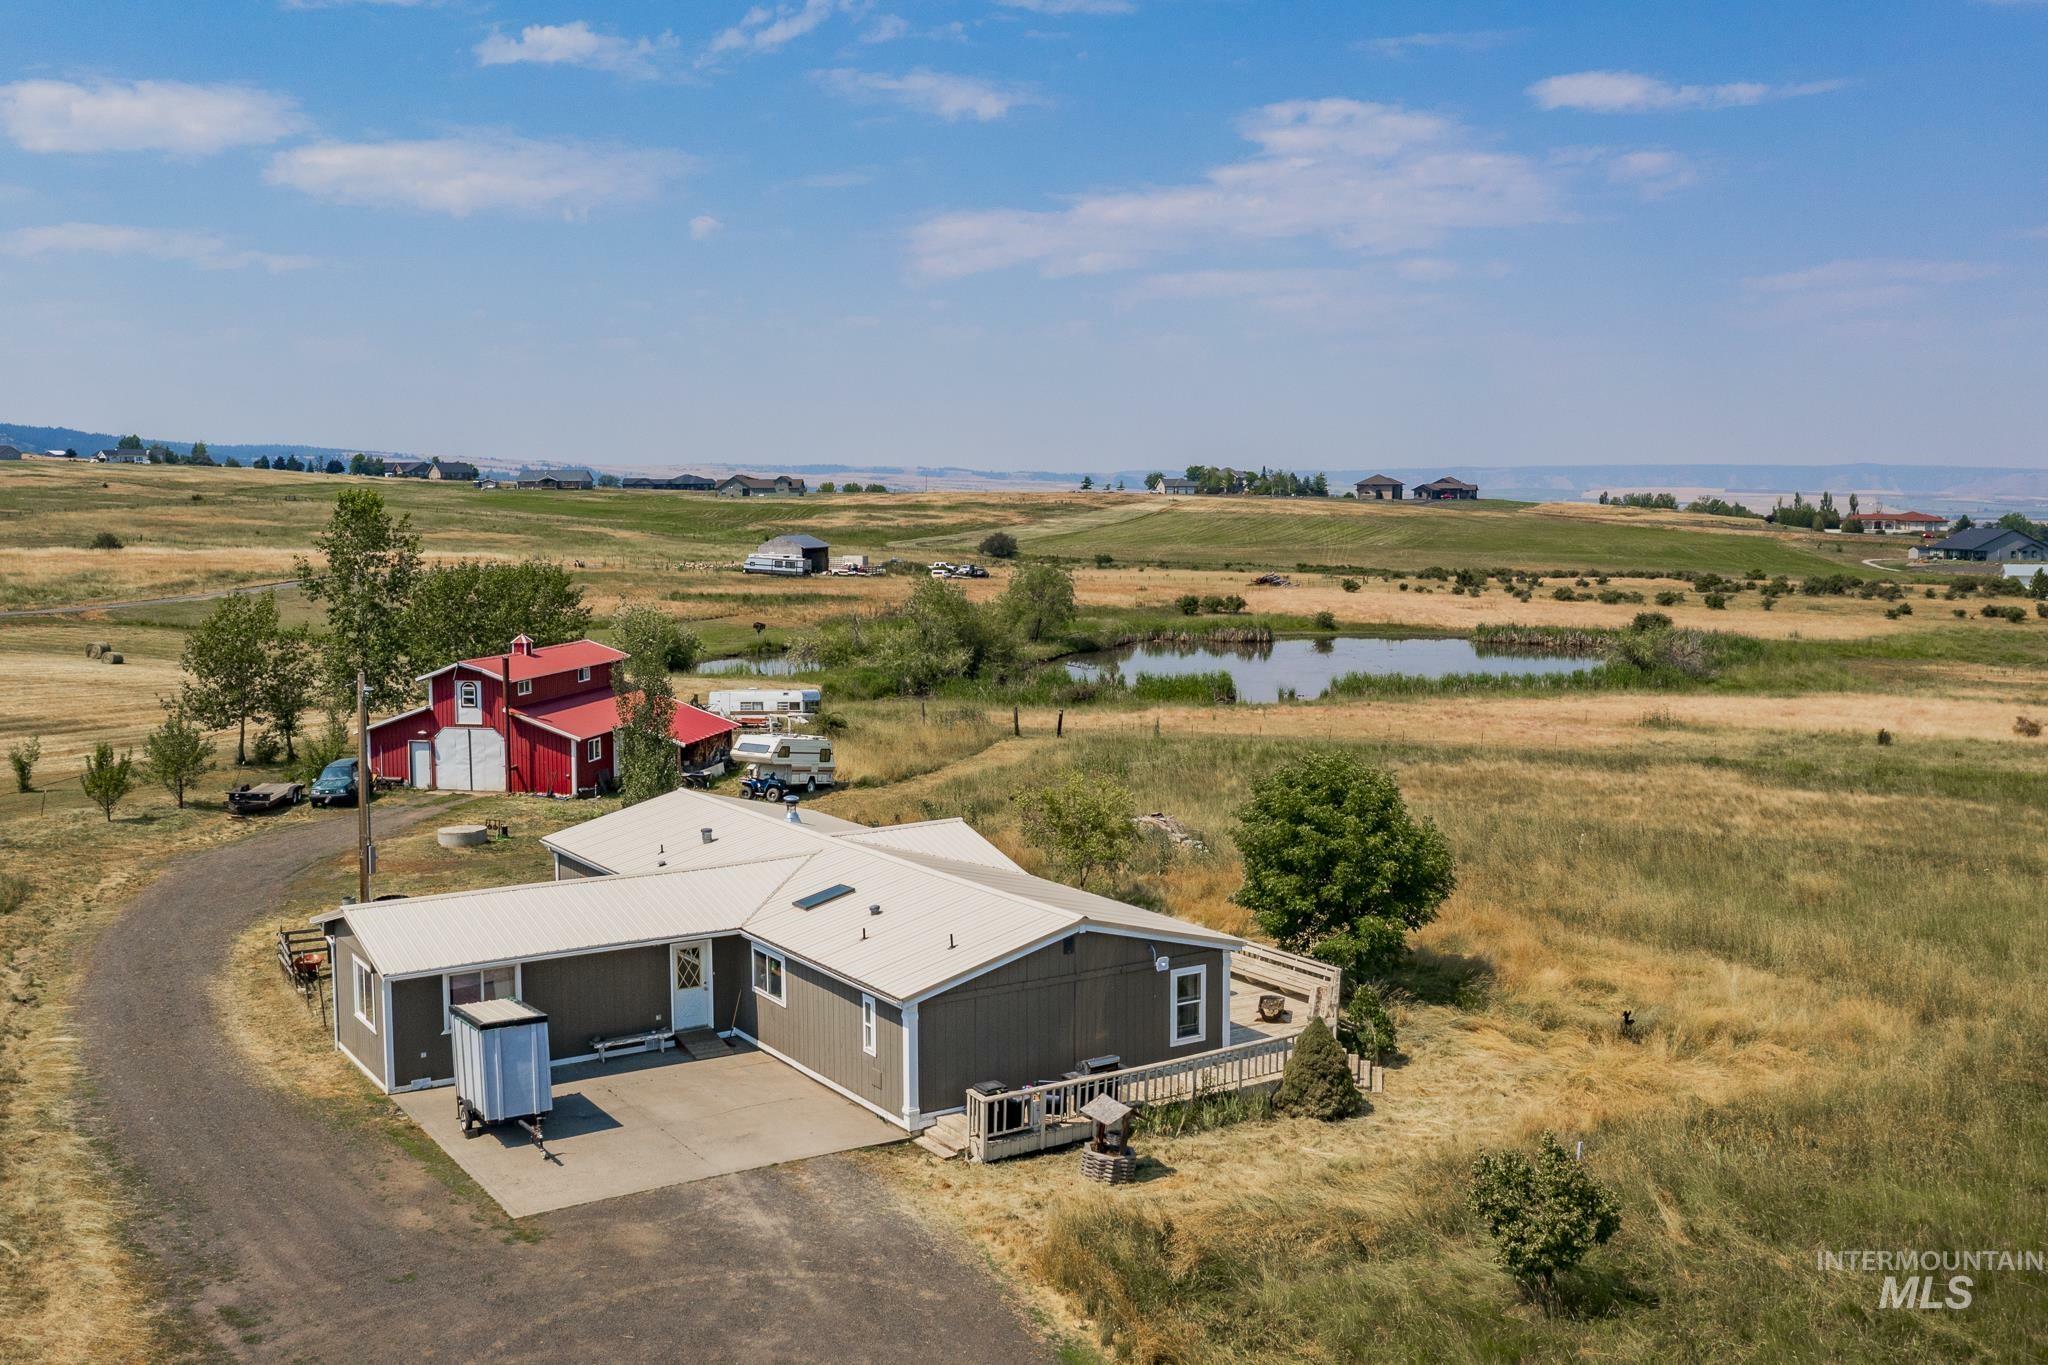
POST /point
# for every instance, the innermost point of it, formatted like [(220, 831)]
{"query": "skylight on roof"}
[(818, 898)]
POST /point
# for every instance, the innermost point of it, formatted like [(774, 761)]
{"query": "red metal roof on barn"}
[(593, 714), (547, 660)]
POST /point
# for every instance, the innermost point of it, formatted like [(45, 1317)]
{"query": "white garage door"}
[(470, 760)]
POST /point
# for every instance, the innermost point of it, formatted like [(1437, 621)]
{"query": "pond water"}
[(1311, 665), (765, 666)]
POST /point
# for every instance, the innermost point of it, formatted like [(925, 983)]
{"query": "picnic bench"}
[(653, 1040)]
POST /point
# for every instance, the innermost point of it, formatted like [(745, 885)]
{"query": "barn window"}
[(582, 675), (1190, 986), (594, 750), (867, 1024), (365, 982), (769, 981), (469, 695), (525, 687), (469, 988)]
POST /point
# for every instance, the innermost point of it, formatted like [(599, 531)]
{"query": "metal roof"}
[(1979, 537), (941, 918), (798, 541)]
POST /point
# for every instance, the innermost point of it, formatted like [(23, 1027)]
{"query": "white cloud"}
[(470, 174), (762, 29), (1070, 6), (573, 44), (1857, 288), (1467, 40), (200, 249), (1364, 177), (1652, 172), (143, 116), (1627, 92), (704, 227), (929, 92)]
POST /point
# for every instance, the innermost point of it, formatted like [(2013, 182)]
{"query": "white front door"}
[(690, 983), (422, 763)]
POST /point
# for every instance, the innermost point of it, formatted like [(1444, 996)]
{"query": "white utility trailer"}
[(501, 1066)]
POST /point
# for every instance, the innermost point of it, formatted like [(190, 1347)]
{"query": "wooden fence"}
[(1304, 978)]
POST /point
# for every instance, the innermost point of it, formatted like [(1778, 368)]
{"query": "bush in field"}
[(105, 540), (1334, 865), (1317, 1083), (2005, 612), (1081, 822), (1543, 1215), (1326, 620), (265, 749), (1365, 1027), (1103, 561), (1650, 620), (1669, 598), (321, 749), (13, 893), (999, 545), (1564, 595), (107, 780), (1039, 600), (23, 758), (1351, 585), (1715, 601), (1189, 604)]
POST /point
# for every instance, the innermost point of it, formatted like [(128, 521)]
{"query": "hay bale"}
[(116, 659)]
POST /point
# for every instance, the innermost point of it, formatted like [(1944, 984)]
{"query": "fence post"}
[(1016, 728), (1059, 725)]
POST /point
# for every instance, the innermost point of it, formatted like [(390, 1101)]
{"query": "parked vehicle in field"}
[(253, 799), (790, 565), (751, 705), (775, 764), (336, 785), (851, 565)]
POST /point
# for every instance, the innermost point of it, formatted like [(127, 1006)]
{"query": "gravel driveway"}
[(287, 1235)]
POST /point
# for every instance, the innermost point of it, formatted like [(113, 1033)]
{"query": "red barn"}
[(557, 737)]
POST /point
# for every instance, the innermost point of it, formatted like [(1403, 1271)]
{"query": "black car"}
[(336, 785)]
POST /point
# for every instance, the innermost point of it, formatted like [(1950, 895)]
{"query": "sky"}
[(1034, 234)]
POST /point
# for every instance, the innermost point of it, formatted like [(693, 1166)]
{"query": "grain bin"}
[(501, 1065)]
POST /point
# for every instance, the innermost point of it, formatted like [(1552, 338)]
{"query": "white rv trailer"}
[(742, 703)]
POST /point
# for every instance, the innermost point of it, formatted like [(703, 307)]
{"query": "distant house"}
[(455, 470), (679, 483), (799, 554), (10, 452), (1178, 485), (1902, 523), (1380, 488), (1446, 489), (1990, 545), (119, 456), (408, 469), (754, 486), (565, 480)]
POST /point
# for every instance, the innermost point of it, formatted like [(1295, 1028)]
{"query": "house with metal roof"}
[(1449, 488), (1380, 488), (1990, 544), (537, 718), (898, 965)]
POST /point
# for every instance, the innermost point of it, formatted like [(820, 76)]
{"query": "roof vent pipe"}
[(706, 833), (874, 909), (789, 805)]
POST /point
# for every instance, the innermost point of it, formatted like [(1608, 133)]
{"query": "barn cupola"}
[(522, 644)]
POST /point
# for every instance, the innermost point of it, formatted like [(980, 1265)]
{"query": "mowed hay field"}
[(189, 529), (1826, 1055)]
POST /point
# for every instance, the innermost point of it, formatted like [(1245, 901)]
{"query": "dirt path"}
[(287, 1235), (80, 608)]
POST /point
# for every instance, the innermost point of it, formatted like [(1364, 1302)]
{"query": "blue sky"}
[(1043, 234)]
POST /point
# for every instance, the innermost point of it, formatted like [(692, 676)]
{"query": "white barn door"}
[(469, 760)]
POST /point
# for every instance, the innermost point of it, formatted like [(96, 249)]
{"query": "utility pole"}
[(366, 851)]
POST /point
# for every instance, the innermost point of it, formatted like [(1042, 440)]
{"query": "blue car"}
[(336, 785)]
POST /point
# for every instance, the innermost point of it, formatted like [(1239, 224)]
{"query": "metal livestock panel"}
[(501, 1060)]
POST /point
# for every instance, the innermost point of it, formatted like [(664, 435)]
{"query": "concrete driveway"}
[(644, 1122)]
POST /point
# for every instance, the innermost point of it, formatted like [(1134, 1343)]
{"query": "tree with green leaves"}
[(999, 545), (290, 684), (1081, 822), (23, 757), (177, 753), (1087, 482), (370, 566), (1039, 600), (647, 763), (225, 661), (107, 780), (1543, 1215), (128, 443), (939, 634), (332, 741), (1335, 866), (1154, 480), (1365, 1026), (199, 452), (472, 608), (1317, 1083)]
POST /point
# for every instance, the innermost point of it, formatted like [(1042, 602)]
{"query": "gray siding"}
[(568, 869), (595, 995), (420, 1051), (819, 1027), (1036, 1018), (359, 1042)]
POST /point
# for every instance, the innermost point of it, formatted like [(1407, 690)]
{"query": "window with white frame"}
[(582, 675), (469, 988), (365, 994), (524, 687), (1190, 992), (594, 750), (768, 976), (469, 696), (867, 1024)]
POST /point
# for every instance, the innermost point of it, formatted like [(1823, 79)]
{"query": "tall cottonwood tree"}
[(470, 608), (369, 567), (291, 679), (226, 659), (647, 764)]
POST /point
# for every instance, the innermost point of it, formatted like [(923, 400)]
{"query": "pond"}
[(1310, 665), (754, 666)]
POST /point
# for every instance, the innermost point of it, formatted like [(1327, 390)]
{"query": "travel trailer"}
[(775, 764), (749, 706)]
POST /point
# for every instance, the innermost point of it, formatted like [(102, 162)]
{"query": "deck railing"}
[(1036, 1117), (1307, 978)]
